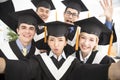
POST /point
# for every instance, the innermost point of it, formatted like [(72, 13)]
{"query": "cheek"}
[(75, 19), (93, 44), (81, 41)]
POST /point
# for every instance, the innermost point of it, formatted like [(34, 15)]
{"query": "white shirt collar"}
[(60, 57), (86, 58)]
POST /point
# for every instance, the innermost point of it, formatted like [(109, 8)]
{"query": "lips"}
[(69, 21)]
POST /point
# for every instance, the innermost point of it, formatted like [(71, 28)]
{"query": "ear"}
[(65, 43), (78, 16), (97, 41), (17, 31)]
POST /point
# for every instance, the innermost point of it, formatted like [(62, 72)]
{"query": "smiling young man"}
[(25, 25), (43, 8)]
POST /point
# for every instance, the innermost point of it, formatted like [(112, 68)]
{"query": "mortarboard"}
[(25, 16), (94, 26), (60, 29), (44, 3), (75, 4), (6, 8)]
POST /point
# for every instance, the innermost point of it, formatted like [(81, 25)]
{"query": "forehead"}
[(43, 8), (87, 34), (26, 25), (61, 37), (72, 10)]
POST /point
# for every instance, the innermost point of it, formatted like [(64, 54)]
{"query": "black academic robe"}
[(47, 75), (13, 46), (90, 72), (71, 35), (104, 60), (21, 70), (40, 44), (18, 54)]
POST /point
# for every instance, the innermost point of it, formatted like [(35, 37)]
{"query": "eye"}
[(92, 40), (51, 39), (82, 37), (32, 28), (60, 39), (23, 27)]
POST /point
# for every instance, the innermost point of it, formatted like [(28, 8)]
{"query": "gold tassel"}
[(110, 44), (77, 38), (45, 33)]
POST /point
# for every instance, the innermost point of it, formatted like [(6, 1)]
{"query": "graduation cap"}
[(43, 3), (57, 29), (25, 16), (60, 28), (75, 4), (6, 8), (94, 26)]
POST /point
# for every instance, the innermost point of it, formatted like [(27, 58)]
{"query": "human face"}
[(43, 13), (57, 44), (26, 33), (87, 42), (71, 15)]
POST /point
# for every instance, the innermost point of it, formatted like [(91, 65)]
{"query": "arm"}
[(1, 1), (114, 71), (2, 65), (19, 69), (108, 12)]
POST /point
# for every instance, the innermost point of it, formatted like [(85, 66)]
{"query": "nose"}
[(56, 43), (70, 16), (86, 42), (27, 30)]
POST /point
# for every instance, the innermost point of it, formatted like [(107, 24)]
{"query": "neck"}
[(84, 54)]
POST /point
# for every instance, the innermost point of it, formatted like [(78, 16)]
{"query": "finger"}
[(105, 2), (111, 3), (101, 3)]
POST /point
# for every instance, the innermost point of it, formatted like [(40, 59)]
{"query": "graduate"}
[(43, 8), (56, 65), (25, 24), (91, 32), (71, 14)]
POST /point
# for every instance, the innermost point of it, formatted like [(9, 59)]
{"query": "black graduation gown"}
[(17, 51), (90, 72), (21, 70), (18, 54), (26, 69), (105, 60), (40, 44), (46, 74)]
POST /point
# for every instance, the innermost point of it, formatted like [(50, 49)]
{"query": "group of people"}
[(56, 59)]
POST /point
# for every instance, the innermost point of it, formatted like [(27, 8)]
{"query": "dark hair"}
[(72, 8)]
